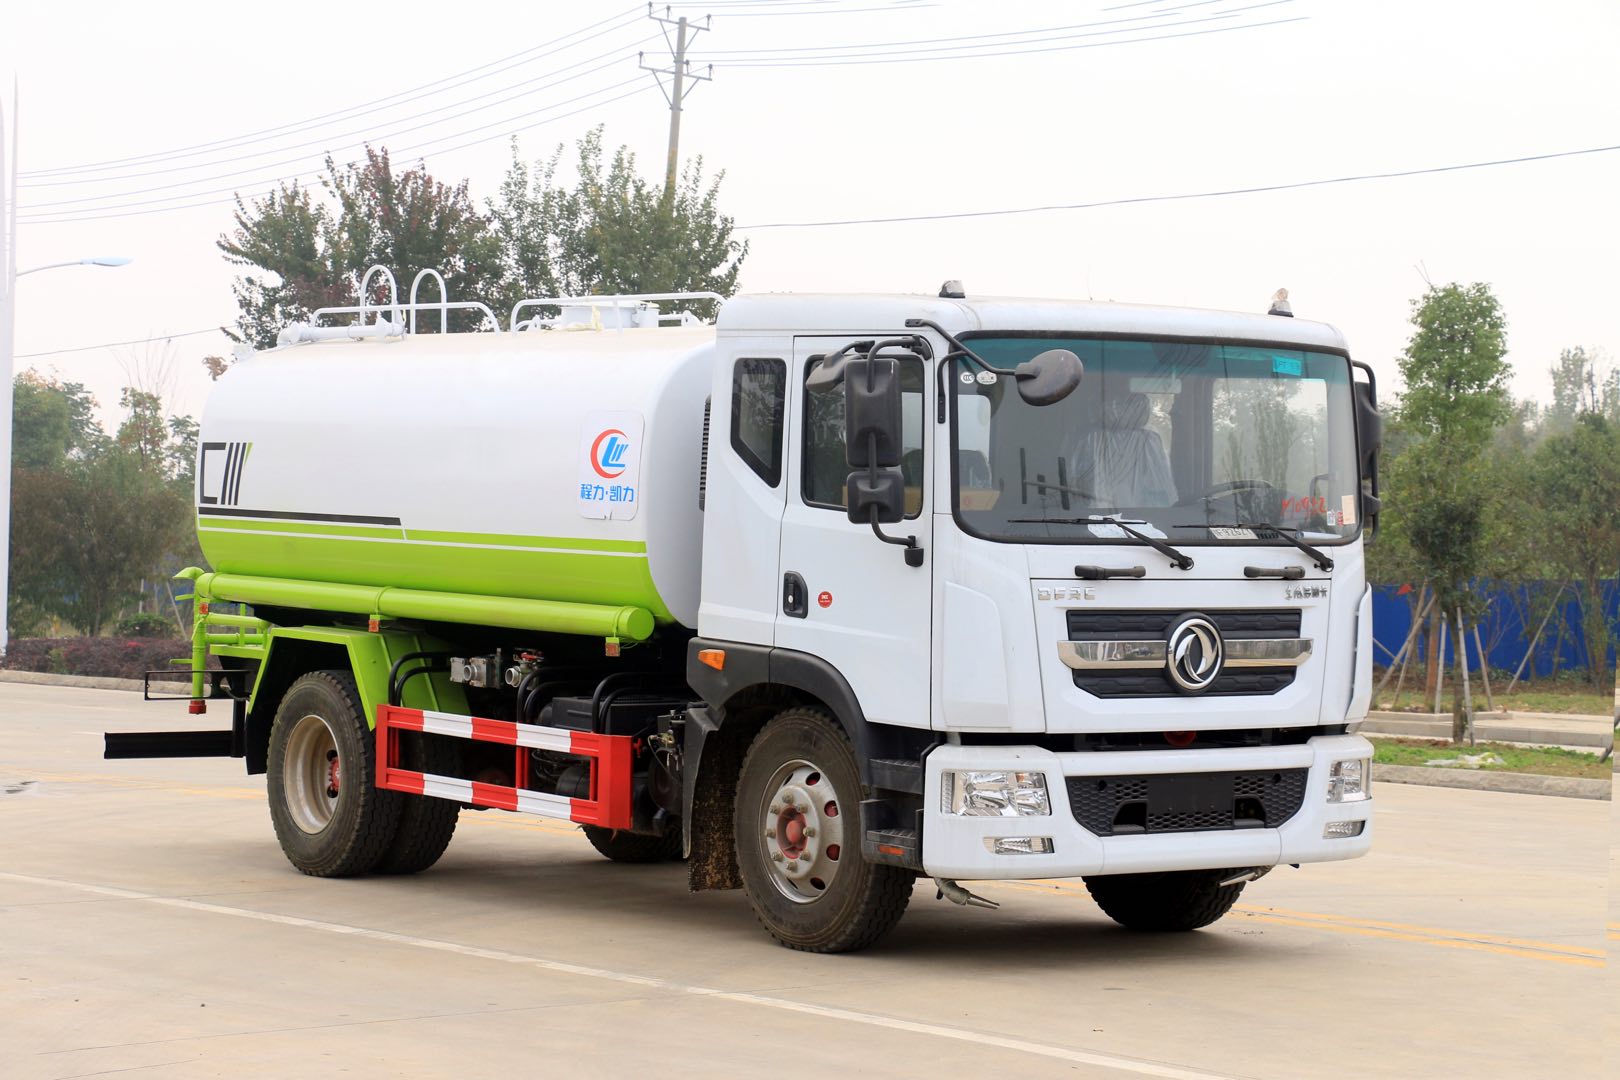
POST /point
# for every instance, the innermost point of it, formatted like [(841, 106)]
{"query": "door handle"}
[(795, 596)]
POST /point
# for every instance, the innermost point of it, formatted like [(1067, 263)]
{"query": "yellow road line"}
[(1539, 950)]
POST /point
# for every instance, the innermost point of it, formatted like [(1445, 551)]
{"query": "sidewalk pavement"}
[(1543, 729)]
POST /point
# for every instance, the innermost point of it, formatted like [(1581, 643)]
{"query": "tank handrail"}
[(400, 327), (444, 295), (606, 301), (393, 291)]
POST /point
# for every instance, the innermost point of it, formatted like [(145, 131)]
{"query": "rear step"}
[(611, 758), (170, 744)]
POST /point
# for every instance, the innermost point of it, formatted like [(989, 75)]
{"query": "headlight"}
[(994, 794), (1350, 781)]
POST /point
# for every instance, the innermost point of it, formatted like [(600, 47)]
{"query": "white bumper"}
[(955, 847)]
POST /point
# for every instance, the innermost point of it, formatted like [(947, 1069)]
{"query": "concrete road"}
[(150, 927)]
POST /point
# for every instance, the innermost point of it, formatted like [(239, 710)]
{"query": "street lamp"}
[(105, 260)]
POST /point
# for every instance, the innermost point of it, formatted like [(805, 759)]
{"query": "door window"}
[(758, 396), (826, 469)]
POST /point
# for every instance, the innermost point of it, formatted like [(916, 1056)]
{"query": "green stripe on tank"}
[(530, 573), (387, 532), (565, 543)]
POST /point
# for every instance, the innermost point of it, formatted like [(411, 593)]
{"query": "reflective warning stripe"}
[(611, 759)]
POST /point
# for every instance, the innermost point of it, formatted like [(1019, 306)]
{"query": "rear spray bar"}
[(611, 760)]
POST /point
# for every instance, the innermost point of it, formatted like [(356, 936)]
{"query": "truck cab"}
[(1124, 632)]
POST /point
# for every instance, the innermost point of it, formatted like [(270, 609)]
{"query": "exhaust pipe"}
[(950, 890)]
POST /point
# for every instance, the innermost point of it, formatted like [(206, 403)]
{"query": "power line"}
[(961, 52), (116, 344), (43, 206), (1139, 199), (325, 140), (119, 212), (625, 18)]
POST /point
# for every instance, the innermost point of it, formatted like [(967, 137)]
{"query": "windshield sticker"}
[(1287, 365), (1347, 511), (1107, 532), (987, 378), (967, 378), (1222, 533), (1305, 504)]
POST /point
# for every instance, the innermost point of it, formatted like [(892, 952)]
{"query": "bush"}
[(144, 624), (118, 658)]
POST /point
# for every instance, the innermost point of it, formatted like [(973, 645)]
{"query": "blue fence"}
[(1506, 627)]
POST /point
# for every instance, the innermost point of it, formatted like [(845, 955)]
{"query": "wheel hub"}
[(802, 831), (312, 774)]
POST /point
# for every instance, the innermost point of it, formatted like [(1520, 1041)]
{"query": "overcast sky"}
[(1163, 98)]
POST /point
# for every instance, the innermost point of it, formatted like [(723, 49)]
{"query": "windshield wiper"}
[(1180, 559), (1317, 554)]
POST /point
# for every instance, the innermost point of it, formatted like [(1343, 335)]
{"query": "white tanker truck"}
[(834, 593)]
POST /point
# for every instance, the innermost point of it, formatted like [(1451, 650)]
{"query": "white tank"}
[(544, 465)]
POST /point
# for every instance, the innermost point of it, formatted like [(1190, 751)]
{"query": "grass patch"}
[(1565, 694), (1547, 761)]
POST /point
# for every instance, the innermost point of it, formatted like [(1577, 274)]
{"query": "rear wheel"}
[(1166, 902), (798, 834), (328, 813), (426, 824), (629, 847)]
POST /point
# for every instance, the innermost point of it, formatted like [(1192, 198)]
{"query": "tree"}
[(1455, 397), (51, 420), (92, 517), (1577, 485), (311, 253), (613, 231), (1582, 383)]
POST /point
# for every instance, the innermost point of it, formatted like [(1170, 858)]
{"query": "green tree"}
[(1577, 484), (304, 250), (613, 231), (1582, 383), (50, 421), (1455, 396)]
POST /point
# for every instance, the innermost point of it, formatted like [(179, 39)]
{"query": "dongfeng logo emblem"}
[(1193, 654)]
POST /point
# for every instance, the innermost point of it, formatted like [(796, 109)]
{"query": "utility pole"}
[(679, 72), (8, 319)]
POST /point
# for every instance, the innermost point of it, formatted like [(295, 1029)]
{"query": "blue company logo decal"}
[(608, 452)]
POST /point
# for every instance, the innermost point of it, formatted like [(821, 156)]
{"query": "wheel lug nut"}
[(776, 808), (776, 856), (770, 833), (793, 866), (810, 831)]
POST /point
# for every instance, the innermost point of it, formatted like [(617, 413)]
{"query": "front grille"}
[(1145, 625), (1186, 802)]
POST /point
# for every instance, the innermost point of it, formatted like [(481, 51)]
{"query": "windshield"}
[(1189, 441)]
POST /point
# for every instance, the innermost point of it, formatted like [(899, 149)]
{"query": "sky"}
[(832, 110)]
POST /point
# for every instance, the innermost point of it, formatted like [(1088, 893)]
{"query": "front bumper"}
[(955, 847)]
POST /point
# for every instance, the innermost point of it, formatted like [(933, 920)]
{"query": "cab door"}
[(845, 596)]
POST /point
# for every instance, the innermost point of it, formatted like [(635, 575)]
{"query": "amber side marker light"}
[(715, 658)]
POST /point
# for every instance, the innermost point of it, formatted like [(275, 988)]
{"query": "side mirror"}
[(1370, 444), (1049, 377), (872, 413), (883, 490)]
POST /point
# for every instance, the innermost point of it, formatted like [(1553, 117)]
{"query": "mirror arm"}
[(914, 552), (958, 351)]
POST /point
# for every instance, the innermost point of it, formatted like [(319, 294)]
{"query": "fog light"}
[(1340, 830), (1350, 781), (1019, 845), (994, 793)]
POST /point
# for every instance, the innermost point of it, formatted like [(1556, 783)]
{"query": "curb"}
[(83, 682), (1568, 787)]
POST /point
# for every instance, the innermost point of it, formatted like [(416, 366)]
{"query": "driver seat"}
[(1125, 463)]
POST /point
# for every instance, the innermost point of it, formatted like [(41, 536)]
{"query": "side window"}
[(758, 396), (826, 469)]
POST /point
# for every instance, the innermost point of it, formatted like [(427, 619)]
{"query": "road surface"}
[(149, 927)]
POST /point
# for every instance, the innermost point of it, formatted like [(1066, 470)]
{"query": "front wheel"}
[(798, 834), (330, 816), (1166, 902), (623, 846)]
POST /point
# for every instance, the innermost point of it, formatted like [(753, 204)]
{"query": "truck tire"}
[(1165, 902), (798, 834), (330, 816), (426, 824), (629, 847)]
